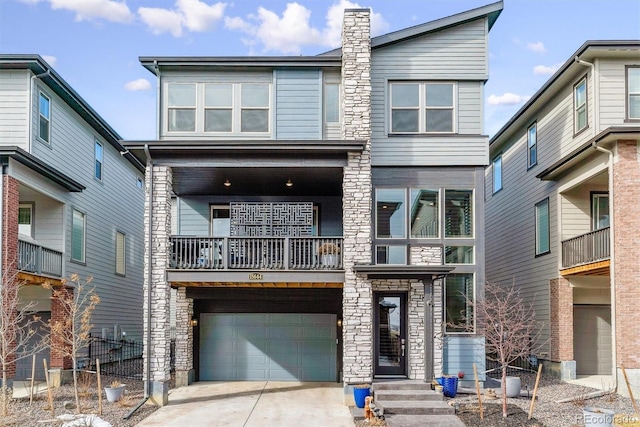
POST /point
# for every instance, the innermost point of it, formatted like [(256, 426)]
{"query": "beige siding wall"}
[(14, 108), (612, 76)]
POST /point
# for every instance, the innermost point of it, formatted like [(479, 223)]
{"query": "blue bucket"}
[(450, 386), (360, 394), (440, 381)]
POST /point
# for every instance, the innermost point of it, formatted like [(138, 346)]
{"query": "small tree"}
[(71, 334), (18, 331), (509, 326)]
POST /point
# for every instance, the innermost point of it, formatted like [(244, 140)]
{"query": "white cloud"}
[(190, 15), (546, 70), (506, 98), (51, 60), (110, 10), (537, 47), (137, 85)]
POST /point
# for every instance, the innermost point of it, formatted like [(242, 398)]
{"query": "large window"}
[(633, 88), (532, 145), (78, 228), (542, 227), (121, 247), (422, 107), (390, 213), (44, 121), (99, 158), (580, 105), (459, 295), (458, 213), (424, 213), (497, 174), (391, 254), (182, 107)]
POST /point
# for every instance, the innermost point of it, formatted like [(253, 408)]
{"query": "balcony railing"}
[(586, 248), (256, 253), (37, 259)]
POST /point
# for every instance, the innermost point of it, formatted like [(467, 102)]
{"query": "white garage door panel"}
[(268, 346)]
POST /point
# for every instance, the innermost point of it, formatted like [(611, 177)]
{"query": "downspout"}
[(612, 281), (147, 385)]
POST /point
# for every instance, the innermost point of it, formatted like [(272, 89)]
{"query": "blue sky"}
[(95, 44)]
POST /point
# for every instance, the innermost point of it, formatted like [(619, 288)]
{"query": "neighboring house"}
[(72, 201), (561, 211), (321, 217)]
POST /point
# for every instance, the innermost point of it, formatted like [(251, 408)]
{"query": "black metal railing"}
[(586, 248), (37, 259), (119, 358), (256, 253)]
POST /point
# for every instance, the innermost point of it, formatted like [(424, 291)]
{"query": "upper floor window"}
[(422, 107), (254, 113), (332, 103), (633, 88), (182, 107), (78, 235), (497, 173), (218, 108), (121, 240), (580, 105), (542, 227), (99, 157), (44, 121), (532, 146)]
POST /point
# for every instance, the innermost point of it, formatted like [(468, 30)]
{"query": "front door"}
[(391, 344)]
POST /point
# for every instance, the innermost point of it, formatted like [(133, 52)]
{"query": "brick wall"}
[(11, 200), (626, 190), (59, 314), (561, 320)]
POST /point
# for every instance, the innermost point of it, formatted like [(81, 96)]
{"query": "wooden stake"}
[(535, 390), (33, 376), (633, 401), (475, 374), (46, 377), (99, 387)]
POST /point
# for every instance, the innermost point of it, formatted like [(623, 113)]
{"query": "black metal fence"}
[(119, 358), (527, 364)]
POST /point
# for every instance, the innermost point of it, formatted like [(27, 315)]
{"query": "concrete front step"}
[(415, 407), (401, 385), (407, 395), (424, 421)]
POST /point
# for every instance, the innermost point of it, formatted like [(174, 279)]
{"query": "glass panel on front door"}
[(391, 345)]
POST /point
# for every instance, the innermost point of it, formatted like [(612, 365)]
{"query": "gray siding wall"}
[(460, 353), (14, 108), (457, 54), (113, 204), (612, 76), (298, 95)]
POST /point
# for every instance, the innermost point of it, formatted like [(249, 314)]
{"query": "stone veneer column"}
[(626, 222), (10, 203), (185, 374), (356, 204), (158, 348), (561, 327)]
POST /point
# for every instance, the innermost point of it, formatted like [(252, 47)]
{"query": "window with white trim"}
[(44, 114), (425, 107), (182, 107), (496, 172), (121, 247), (532, 145), (633, 93), (332, 102), (580, 105), (98, 159), (218, 108), (542, 227), (78, 236)]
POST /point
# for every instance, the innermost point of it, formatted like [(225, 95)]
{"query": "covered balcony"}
[(587, 254), (38, 260)]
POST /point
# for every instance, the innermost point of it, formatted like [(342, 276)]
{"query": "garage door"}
[(592, 339), (24, 366), (284, 347)]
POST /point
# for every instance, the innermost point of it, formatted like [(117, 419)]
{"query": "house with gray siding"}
[(561, 193), (72, 201), (319, 218)]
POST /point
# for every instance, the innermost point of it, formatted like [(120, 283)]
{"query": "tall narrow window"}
[(121, 247), (497, 174), (254, 114), (458, 220), (459, 303), (182, 107), (633, 88), (332, 103), (44, 122), (25, 219), (532, 145), (542, 227), (424, 214), (580, 105), (218, 108), (78, 228), (99, 158), (600, 210), (390, 213)]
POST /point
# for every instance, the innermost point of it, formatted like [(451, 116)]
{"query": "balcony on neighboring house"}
[(36, 262), (256, 253), (587, 254)]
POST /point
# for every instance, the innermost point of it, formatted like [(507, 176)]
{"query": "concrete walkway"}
[(253, 404)]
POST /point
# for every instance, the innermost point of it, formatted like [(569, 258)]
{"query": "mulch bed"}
[(470, 416)]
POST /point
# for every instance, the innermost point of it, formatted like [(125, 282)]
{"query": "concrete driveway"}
[(253, 404)]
